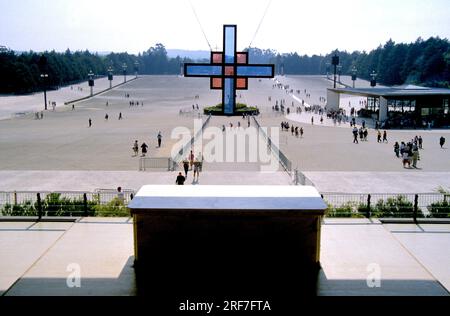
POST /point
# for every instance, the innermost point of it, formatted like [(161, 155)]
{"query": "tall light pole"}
[(339, 69), (328, 70), (91, 82), (110, 76), (373, 75), (136, 68), (354, 72), (124, 67), (44, 79), (335, 63)]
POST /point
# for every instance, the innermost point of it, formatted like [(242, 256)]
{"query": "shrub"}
[(27, 208), (240, 109), (440, 209), (55, 205), (349, 210), (114, 208), (398, 206)]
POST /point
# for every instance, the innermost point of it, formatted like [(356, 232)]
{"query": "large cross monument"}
[(229, 70)]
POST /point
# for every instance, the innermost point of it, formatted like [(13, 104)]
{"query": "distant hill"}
[(192, 54)]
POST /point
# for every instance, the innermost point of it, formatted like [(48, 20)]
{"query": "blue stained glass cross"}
[(229, 70)]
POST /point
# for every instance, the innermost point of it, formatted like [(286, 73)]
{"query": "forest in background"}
[(424, 62)]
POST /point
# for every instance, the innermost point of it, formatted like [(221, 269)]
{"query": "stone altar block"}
[(226, 239)]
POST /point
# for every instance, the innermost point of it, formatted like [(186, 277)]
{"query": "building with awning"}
[(399, 106)]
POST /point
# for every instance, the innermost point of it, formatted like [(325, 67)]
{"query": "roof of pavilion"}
[(396, 91)]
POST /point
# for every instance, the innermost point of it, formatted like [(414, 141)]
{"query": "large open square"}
[(62, 145)]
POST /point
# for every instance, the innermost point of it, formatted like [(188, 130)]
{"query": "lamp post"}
[(91, 82), (354, 72), (124, 67), (328, 70), (44, 78), (110, 76), (339, 69), (136, 68), (335, 63), (373, 75)]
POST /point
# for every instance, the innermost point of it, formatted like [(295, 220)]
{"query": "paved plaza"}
[(62, 153), (62, 143)]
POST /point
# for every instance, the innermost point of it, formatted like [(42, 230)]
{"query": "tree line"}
[(422, 62)]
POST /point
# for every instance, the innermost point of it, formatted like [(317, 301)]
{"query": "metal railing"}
[(424, 205), (108, 202), (102, 202), (284, 161), (301, 179), (188, 146), (146, 163)]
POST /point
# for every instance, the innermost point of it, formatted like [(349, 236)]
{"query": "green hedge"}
[(240, 109)]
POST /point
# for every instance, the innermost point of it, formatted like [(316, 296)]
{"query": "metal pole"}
[(45, 97), (39, 205), (86, 214), (416, 209), (335, 69), (368, 206)]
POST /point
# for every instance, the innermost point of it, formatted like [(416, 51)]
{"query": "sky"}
[(306, 27)]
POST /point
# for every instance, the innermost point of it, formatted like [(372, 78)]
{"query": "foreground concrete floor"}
[(43, 259)]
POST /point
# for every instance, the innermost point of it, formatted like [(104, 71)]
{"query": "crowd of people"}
[(295, 131), (190, 163), (409, 151), (144, 147)]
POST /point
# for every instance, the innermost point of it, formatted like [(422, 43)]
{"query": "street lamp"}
[(335, 63), (44, 78), (354, 72), (328, 70), (124, 67), (373, 75), (91, 82), (136, 68), (110, 76), (339, 69)]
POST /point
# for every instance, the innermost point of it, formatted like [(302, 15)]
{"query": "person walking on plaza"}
[(385, 137), (120, 116), (397, 149), (379, 136), (405, 159), (186, 166), (355, 135), (301, 132), (159, 139), (180, 179), (90, 123), (196, 169), (415, 157), (420, 141), (442, 141), (191, 159), (144, 149), (136, 148)]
